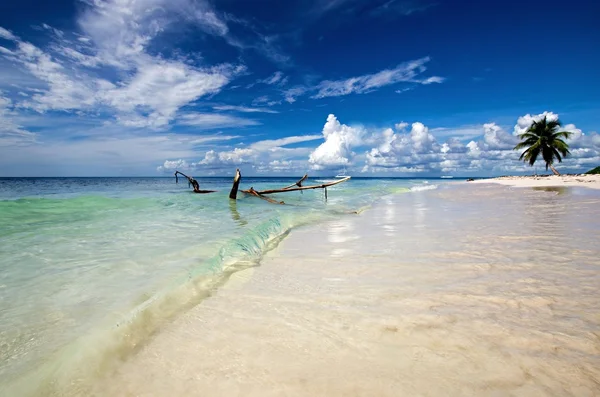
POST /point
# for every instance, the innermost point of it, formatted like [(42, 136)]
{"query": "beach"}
[(582, 180), (470, 289)]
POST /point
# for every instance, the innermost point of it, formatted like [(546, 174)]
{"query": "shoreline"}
[(582, 180), (425, 294)]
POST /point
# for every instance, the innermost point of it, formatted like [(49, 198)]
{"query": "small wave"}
[(421, 188), (73, 369)]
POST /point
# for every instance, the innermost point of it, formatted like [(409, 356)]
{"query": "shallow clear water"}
[(108, 261), (469, 290)]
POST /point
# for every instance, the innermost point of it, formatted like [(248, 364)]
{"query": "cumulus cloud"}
[(496, 138), (173, 165), (337, 148), (400, 126), (403, 149), (524, 122), (406, 149)]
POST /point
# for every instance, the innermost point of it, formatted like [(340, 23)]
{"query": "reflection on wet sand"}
[(556, 189), (477, 293)]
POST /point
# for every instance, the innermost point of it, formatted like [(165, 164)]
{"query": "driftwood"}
[(261, 193), (194, 183), (292, 188), (253, 192), (300, 188), (236, 184), (299, 183)]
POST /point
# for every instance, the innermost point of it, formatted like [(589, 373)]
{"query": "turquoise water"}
[(91, 267)]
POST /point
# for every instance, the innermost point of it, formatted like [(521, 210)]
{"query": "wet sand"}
[(470, 290)]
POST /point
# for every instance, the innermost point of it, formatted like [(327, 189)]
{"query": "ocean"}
[(91, 268)]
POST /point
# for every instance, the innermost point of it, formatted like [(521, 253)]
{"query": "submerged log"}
[(194, 183), (253, 192)]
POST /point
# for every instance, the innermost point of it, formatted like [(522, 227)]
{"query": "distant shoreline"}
[(567, 180)]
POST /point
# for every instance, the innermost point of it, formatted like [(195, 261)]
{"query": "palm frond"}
[(553, 124), (562, 147), (564, 134), (529, 135), (557, 155)]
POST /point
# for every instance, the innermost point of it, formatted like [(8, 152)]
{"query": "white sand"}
[(589, 181), (454, 292)]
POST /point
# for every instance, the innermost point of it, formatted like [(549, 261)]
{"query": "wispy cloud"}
[(7, 35), (406, 72), (11, 133), (243, 109), (277, 78), (270, 155), (117, 35), (291, 94), (209, 121), (351, 9)]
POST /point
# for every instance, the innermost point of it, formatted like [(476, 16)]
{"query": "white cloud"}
[(400, 126), (233, 157), (264, 100), (208, 121), (403, 149), (243, 109), (291, 94), (173, 165), (6, 34), (122, 30), (433, 79), (162, 88), (524, 122), (337, 148), (405, 72), (277, 78), (423, 141), (275, 144), (263, 156), (117, 34), (496, 138), (11, 133)]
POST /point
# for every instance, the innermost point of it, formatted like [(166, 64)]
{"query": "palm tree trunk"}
[(554, 170)]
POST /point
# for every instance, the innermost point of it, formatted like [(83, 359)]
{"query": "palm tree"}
[(543, 137)]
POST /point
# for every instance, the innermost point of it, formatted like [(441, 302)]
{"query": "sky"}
[(413, 88)]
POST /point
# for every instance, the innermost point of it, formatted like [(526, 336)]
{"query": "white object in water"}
[(342, 174)]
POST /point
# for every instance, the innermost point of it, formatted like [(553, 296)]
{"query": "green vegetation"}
[(594, 171), (543, 137)]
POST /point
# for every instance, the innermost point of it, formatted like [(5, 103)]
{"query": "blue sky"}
[(376, 87)]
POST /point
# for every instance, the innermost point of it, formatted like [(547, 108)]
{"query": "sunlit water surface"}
[(92, 268), (460, 291)]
